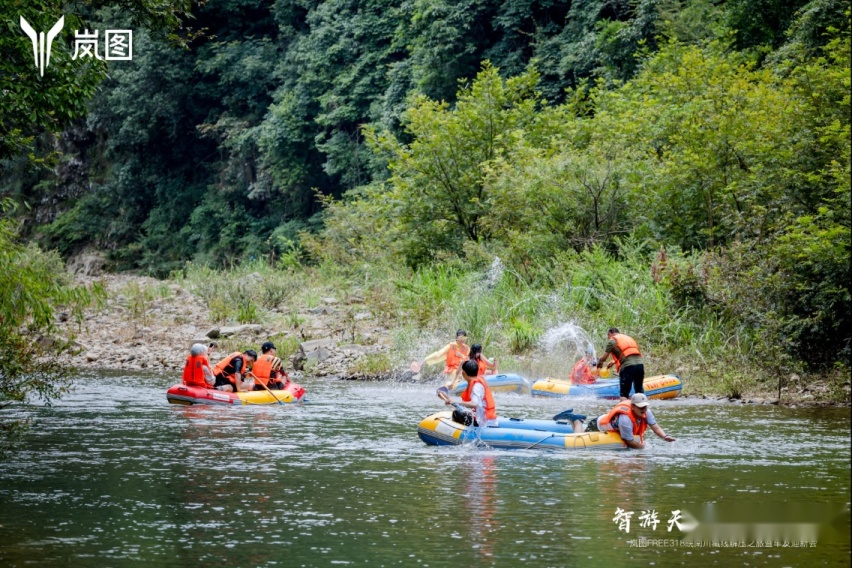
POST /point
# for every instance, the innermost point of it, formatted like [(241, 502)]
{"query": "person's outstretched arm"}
[(659, 432)]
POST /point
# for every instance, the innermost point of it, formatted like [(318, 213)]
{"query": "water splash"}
[(494, 273), (570, 340)]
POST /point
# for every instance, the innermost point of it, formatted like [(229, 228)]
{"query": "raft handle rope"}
[(531, 446)]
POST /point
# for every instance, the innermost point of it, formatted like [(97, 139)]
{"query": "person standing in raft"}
[(628, 362), (477, 396), (229, 371), (196, 371), (267, 369), (454, 354), (630, 419)]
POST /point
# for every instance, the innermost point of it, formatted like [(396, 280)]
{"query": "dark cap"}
[(267, 346)]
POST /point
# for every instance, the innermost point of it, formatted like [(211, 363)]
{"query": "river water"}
[(113, 475)]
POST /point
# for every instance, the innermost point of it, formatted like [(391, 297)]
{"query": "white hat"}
[(640, 400)]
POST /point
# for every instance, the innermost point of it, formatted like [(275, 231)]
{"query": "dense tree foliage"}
[(426, 130)]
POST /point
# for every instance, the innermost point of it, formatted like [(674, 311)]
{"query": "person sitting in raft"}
[(484, 364), (196, 371), (585, 369), (477, 396), (267, 370), (229, 371), (631, 419), (454, 354)]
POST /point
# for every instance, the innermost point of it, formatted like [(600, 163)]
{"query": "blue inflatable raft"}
[(500, 383), (439, 429), (658, 387)]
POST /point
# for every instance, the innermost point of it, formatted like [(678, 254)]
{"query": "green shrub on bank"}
[(33, 284)]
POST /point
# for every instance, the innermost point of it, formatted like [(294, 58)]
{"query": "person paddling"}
[(268, 369), (477, 396)]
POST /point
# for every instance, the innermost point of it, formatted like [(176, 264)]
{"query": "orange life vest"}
[(581, 374), (193, 371), (483, 366), (625, 346), (625, 407), (220, 367), (262, 369), (490, 408), (455, 357)]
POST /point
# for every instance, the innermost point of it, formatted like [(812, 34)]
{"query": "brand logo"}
[(42, 43), (118, 44)]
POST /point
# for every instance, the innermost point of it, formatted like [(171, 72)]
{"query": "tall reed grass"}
[(507, 313)]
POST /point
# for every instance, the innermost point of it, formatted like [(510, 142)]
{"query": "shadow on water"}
[(113, 475)]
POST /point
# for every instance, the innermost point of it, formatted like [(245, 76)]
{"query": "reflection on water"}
[(128, 479), (480, 498)]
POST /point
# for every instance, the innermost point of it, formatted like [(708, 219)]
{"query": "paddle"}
[(256, 380)]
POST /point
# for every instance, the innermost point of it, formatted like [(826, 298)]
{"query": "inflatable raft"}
[(182, 394), (500, 383), (658, 387), (439, 429)]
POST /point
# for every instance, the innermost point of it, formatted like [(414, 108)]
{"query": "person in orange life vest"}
[(477, 396), (197, 371), (483, 363), (631, 419), (454, 354), (267, 369), (627, 360), (582, 373), (229, 371)]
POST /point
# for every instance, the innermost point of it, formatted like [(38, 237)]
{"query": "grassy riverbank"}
[(533, 327)]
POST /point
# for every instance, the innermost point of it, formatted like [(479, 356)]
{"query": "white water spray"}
[(569, 340), (495, 273)]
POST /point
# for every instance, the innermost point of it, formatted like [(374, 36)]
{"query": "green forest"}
[(680, 169)]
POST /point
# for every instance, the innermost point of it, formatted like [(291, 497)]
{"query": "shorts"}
[(222, 381), (273, 385), (592, 426)]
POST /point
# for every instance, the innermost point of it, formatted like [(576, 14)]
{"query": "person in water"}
[(628, 362), (453, 354), (229, 372), (630, 419), (477, 396), (268, 369), (197, 371)]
